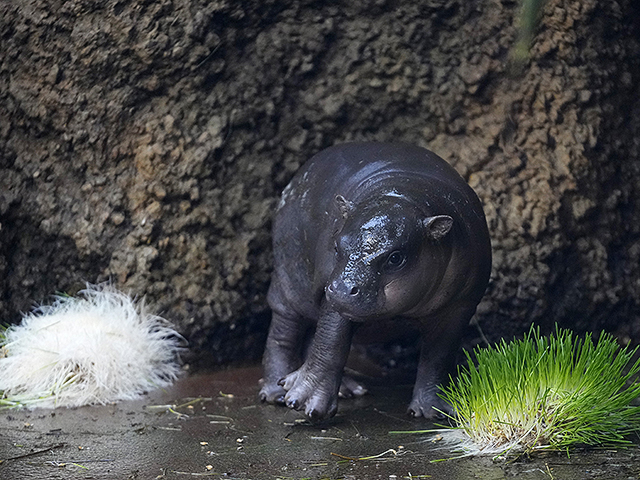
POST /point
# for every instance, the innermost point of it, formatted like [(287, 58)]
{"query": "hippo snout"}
[(339, 288), (352, 299)]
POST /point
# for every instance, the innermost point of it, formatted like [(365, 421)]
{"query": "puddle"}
[(213, 426)]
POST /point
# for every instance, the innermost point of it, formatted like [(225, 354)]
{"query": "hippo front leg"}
[(439, 345), (282, 355), (315, 385)]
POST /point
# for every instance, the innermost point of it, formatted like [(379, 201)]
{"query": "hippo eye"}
[(395, 260)]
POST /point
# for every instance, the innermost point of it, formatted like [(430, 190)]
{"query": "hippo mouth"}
[(353, 318), (353, 311)]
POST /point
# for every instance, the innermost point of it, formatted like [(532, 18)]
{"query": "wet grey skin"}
[(371, 241)]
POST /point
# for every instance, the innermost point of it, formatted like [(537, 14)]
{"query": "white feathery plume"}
[(99, 348)]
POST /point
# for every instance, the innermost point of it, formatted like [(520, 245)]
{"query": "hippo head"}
[(387, 257)]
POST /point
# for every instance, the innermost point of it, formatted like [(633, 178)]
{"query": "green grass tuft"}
[(546, 393)]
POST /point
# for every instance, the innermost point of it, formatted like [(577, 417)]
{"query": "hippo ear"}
[(437, 227), (344, 205)]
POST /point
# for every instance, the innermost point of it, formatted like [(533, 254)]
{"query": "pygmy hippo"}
[(373, 238)]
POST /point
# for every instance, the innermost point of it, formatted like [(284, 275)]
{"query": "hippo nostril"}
[(354, 291)]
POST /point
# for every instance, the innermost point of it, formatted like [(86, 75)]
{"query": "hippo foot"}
[(318, 399), (272, 393), (429, 407), (349, 388)]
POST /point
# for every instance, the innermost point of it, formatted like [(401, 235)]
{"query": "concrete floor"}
[(214, 426)]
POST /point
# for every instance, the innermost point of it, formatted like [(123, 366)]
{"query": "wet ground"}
[(213, 426)]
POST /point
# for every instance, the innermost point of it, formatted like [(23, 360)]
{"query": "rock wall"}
[(147, 142)]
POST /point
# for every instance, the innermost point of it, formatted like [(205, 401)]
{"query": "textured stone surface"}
[(148, 142)]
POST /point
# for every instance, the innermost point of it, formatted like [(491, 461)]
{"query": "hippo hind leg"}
[(350, 388), (440, 341)]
